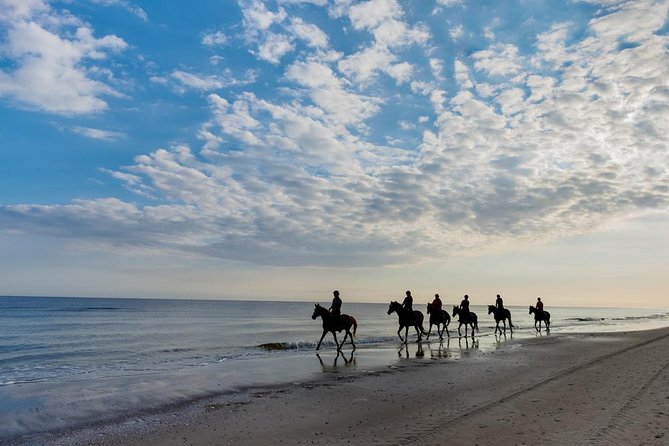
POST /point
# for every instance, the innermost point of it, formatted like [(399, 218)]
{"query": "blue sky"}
[(281, 149)]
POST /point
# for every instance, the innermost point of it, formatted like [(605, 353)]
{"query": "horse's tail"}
[(355, 325), (510, 324)]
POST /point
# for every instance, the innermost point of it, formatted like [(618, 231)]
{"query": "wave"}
[(304, 345), (636, 318), (585, 319)]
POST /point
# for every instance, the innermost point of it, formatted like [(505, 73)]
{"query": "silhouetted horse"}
[(333, 324), (541, 316), (472, 320), (502, 315), (438, 318), (407, 319)]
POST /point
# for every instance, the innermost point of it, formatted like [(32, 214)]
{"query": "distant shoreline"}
[(562, 388)]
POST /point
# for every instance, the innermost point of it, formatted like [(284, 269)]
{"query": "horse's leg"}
[(346, 333), (351, 338), (319, 342), (418, 333), (429, 330), (459, 333), (504, 322), (406, 335), (334, 333), (398, 333)]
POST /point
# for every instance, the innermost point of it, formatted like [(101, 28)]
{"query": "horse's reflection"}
[(474, 342), (403, 352), (541, 334), (441, 351), (347, 361)]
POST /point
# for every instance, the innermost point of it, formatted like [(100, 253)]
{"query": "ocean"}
[(68, 362)]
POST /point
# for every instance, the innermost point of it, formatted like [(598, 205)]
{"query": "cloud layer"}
[(506, 145)]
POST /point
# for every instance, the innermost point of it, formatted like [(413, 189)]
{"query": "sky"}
[(283, 149)]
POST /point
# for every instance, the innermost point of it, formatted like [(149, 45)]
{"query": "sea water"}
[(67, 362)]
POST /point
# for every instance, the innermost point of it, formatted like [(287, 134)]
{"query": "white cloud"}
[(104, 135), (134, 9), (311, 34), (297, 2), (456, 32), (373, 13), (462, 75), (50, 59), (216, 38), (517, 152), (498, 60), (275, 47)]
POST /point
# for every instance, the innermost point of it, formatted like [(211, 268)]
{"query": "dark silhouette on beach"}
[(407, 303), (500, 315), (467, 319), (540, 315), (335, 308), (333, 324), (407, 318), (440, 318)]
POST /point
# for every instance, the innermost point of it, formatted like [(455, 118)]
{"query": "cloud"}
[(565, 137), (181, 81), (456, 32), (136, 10), (498, 60), (216, 38), (48, 51), (311, 34), (104, 135)]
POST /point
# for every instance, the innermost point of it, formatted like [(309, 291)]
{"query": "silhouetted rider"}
[(464, 306), (540, 306), (499, 303), (407, 304), (436, 304), (335, 308)]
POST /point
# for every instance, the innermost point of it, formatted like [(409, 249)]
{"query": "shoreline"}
[(457, 397)]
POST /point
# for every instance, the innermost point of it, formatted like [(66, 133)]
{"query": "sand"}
[(564, 389)]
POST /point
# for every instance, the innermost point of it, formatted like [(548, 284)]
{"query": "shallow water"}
[(66, 361)]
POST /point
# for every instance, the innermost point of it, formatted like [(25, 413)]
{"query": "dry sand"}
[(604, 389)]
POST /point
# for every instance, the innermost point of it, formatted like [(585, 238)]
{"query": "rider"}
[(540, 305), (407, 304), (464, 306), (499, 303), (335, 308), (436, 304)]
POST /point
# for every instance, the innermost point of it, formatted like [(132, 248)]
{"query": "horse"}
[(500, 315), (472, 320), (438, 318), (333, 324), (407, 319), (541, 316)]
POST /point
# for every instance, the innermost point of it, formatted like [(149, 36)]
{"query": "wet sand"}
[(561, 389)]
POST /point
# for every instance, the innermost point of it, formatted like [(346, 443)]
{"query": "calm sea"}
[(65, 362)]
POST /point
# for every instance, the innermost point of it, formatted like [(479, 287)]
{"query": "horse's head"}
[(531, 308), (429, 307), (394, 306), (491, 308), (456, 310), (317, 311)]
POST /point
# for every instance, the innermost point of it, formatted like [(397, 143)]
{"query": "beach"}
[(583, 388)]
